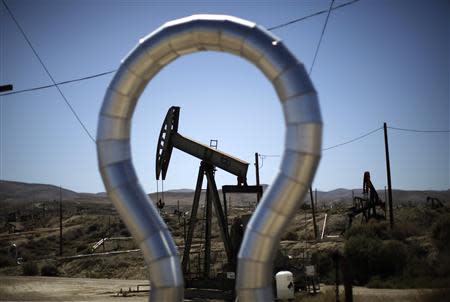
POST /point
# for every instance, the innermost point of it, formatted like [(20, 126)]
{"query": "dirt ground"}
[(364, 294), (66, 289), (83, 289)]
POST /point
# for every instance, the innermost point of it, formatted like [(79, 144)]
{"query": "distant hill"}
[(12, 191), (342, 195), (181, 191)]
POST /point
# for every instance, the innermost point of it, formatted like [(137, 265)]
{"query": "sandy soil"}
[(21, 288), (66, 289)]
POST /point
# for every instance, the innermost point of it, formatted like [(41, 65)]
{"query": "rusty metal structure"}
[(434, 202), (368, 204), (303, 138), (211, 158)]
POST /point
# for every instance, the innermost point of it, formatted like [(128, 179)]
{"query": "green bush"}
[(290, 236), (6, 260), (404, 230), (93, 228), (364, 254), (125, 233), (324, 264), (371, 229), (392, 258), (30, 268), (82, 247), (49, 270), (441, 233)]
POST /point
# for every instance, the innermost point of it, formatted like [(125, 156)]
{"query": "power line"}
[(321, 37), (112, 71), (419, 130), (310, 16), (367, 134), (61, 83), (353, 140), (48, 73), (334, 146)]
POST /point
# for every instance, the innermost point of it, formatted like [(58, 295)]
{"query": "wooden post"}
[(60, 223), (336, 279), (313, 212), (347, 277), (178, 211), (388, 171), (258, 196)]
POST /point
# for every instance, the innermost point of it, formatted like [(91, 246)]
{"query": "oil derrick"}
[(434, 202), (367, 205), (211, 159)]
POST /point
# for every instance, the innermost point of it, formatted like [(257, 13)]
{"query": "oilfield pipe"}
[(301, 155)]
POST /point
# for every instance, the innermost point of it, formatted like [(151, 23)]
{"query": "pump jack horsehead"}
[(303, 138)]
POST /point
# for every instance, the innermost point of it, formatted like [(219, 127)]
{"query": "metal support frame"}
[(212, 199), (208, 218), (193, 219), (219, 213), (366, 205)]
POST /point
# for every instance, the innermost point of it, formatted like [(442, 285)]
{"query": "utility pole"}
[(178, 209), (388, 171), (60, 223), (258, 196), (313, 212)]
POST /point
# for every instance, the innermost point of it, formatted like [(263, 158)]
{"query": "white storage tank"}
[(285, 285)]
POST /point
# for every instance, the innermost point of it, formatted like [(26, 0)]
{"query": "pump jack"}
[(211, 159), (366, 205)]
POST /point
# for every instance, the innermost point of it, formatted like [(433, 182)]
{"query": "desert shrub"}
[(392, 258), (372, 229), (30, 268), (73, 234), (93, 228), (82, 247), (6, 260), (49, 270), (363, 253), (324, 264), (125, 233), (305, 206), (404, 230), (290, 236), (440, 233)]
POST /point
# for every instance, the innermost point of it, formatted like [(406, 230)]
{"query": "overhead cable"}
[(353, 140), (321, 37), (48, 73), (310, 16), (112, 71), (61, 83), (419, 130)]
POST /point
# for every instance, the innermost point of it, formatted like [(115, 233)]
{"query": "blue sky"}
[(379, 61)]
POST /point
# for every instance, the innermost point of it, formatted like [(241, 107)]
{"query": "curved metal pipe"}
[(300, 159)]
